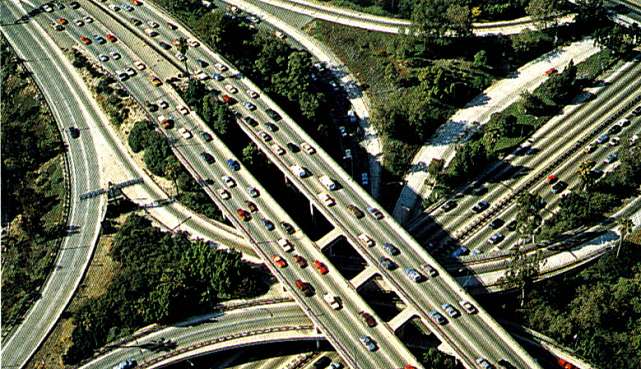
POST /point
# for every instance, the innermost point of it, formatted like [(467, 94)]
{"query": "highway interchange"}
[(469, 337)]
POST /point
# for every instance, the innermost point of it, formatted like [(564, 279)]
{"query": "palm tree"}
[(625, 227), (182, 48), (173, 170), (585, 173)]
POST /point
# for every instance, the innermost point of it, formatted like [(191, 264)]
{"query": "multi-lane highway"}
[(391, 351), (77, 247)]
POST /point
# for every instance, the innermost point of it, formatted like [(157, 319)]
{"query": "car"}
[(480, 206), (150, 32), (390, 249), (467, 306), (223, 193), (180, 56), (637, 111), (74, 5), (387, 263), (88, 19), (165, 122), (164, 45), (366, 240), (305, 288), (450, 310), (368, 318), (233, 165), (74, 132), (307, 148), (413, 274), (342, 131), (285, 244), (79, 22), (326, 199), (449, 205), (243, 215), (504, 364), (253, 19), (328, 183), (596, 173), (249, 106), (103, 58), (611, 158), (300, 261), (265, 136), (253, 191), (321, 267), (220, 67), (193, 43), (551, 179), (152, 24), (614, 129), (253, 94), (111, 37), (602, 139), (172, 26), (139, 65), (437, 317), (634, 138), (231, 89), (278, 150), (324, 361), (356, 212), (127, 7), (114, 7), (511, 225), (367, 341), (217, 77), (47, 8), (589, 148), (280, 35), (122, 76), (127, 364), (299, 171), (288, 228), (84, 40), (293, 147), (614, 141), (185, 133), (207, 157), (348, 154), (559, 187), (430, 270), (137, 22), (273, 114), (206, 136), (182, 109), (550, 72), (484, 363), (251, 206), (496, 223), (375, 213), (130, 71), (114, 55), (202, 76), (496, 238), (99, 39), (61, 21), (228, 181), (251, 121), (460, 251), (268, 224)]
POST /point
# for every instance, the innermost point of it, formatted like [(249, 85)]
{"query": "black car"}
[(293, 147), (207, 157), (272, 114), (496, 223), (287, 227), (164, 45), (152, 107), (251, 121), (559, 187), (449, 205), (137, 22), (511, 225), (480, 206), (202, 63), (271, 127), (206, 136), (74, 132), (322, 363), (387, 263)]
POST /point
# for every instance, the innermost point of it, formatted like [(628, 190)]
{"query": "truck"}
[(327, 182), (332, 301)]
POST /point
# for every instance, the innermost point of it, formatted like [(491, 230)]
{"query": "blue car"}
[(99, 39), (217, 77), (233, 165)]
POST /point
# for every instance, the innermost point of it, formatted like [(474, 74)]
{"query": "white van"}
[(327, 182), (285, 244)]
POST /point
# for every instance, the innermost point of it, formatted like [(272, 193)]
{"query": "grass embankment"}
[(33, 188)]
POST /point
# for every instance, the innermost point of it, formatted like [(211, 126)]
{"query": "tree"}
[(435, 20), (543, 12), (249, 154), (195, 92), (530, 103), (182, 48), (591, 13), (585, 174), (480, 59), (139, 135), (173, 170), (625, 227), (527, 217), (523, 269), (618, 39)]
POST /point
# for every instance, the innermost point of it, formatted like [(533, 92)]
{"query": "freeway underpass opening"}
[(383, 301), (416, 336), (348, 262)]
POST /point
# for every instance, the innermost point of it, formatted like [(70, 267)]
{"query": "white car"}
[(332, 301), (228, 181), (163, 104), (114, 7), (182, 109), (193, 43), (47, 8), (278, 149), (121, 75), (308, 148), (139, 65), (285, 244), (326, 199), (298, 170), (614, 141), (130, 71), (185, 133), (224, 194), (253, 94), (220, 67), (231, 89), (152, 24), (103, 58), (88, 19), (150, 32), (366, 240), (114, 55), (467, 306), (79, 22), (180, 56)]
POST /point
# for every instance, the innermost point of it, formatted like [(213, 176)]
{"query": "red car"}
[(322, 269), (551, 71), (252, 207), (551, 179), (228, 100), (111, 37), (243, 214), (85, 40), (279, 262), (369, 320), (300, 261)]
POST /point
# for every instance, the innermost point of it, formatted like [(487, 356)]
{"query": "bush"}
[(141, 134), (157, 153)]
